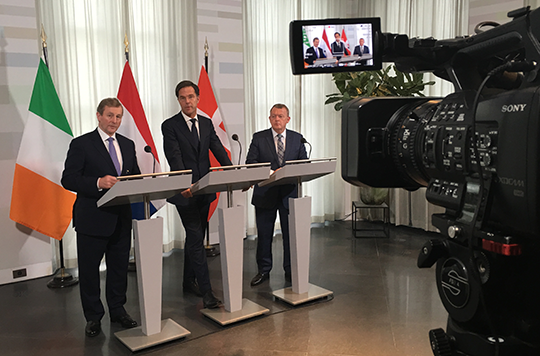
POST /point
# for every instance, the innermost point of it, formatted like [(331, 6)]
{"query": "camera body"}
[(477, 152)]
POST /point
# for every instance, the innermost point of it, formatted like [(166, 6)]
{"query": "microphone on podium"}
[(304, 141), (235, 138), (149, 150)]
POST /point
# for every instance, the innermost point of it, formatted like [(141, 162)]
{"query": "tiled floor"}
[(382, 305)]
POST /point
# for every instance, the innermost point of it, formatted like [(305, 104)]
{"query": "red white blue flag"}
[(135, 127)]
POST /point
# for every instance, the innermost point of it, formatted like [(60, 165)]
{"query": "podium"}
[(231, 238), (148, 237), (297, 172)]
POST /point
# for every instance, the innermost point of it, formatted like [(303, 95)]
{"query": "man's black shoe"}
[(210, 301), (259, 278), (288, 277), (191, 286), (93, 328), (125, 320)]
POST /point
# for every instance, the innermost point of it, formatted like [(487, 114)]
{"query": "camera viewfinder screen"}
[(326, 46)]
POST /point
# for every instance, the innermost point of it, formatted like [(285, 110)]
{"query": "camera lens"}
[(411, 145)]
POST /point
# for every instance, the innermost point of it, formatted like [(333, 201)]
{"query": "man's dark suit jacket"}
[(338, 49), (263, 149), (87, 160), (311, 55), (182, 151), (357, 50)]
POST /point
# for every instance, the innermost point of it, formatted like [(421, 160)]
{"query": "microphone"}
[(149, 150), (235, 138), (304, 141)]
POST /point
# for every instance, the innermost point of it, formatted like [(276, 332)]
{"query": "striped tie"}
[(280, 150)]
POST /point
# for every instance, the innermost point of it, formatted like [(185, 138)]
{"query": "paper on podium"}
[(221, 179), (300, 171), (134, 191)]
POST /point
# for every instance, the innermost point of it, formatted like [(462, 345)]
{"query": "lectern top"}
[(146, 175), (240, 166)]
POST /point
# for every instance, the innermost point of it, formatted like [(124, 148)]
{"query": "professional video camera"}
[(477, 151)]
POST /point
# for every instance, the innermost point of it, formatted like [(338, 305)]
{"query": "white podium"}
[(148, 238), (231, 238), (297, 172)]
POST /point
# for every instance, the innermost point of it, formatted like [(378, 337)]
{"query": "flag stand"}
[(211, 251), (62, 278)]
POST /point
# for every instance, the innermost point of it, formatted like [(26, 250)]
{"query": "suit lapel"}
[(289, 143), (125, 148), (100, 147), (271, 145), (184, 129)]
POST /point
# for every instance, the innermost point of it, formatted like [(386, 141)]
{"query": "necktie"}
[(114, 156), (317, 52), (280, 150), (194, 131)]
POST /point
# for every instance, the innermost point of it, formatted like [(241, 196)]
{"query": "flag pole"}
[(206, 54), (62, 278), (211, 251), (132, 265)]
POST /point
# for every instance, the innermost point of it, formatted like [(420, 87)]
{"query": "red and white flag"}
[(208, 107), (344, 39), (325, 45), (135, 127)]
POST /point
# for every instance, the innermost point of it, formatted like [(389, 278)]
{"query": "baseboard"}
[(24, 273)]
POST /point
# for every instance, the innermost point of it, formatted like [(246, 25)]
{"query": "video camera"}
[(477, 151)]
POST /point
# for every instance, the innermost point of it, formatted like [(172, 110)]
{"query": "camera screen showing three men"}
[(476, 151), (331, 45)]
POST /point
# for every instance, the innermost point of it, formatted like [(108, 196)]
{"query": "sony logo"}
[(513, 107), (511, 181)]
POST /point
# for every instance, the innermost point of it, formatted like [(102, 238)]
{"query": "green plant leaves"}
[(375, 83)]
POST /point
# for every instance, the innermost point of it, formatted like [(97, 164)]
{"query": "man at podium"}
[(275, 145), (187, 139), (93, 162)]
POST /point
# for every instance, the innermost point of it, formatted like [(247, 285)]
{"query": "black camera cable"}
[(522, 66)]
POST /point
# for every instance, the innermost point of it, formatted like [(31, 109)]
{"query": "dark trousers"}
[(90, 251), (194, 218), (266, 219)]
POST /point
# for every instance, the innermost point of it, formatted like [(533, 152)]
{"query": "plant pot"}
[(373, 196)]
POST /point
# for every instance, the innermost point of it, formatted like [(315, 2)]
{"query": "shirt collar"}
[(274, 134), (104, 136), (187, 118)]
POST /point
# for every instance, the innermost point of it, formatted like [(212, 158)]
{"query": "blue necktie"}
[(114, 156)]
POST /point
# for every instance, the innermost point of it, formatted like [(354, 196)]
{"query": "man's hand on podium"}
[(187, 193), (107, 182), (246, 189)]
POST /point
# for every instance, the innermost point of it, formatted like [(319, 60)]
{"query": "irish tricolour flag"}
[(38, 200)]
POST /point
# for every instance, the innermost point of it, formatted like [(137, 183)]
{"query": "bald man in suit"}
[(275, 145)]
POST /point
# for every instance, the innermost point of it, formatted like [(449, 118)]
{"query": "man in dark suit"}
[(275, 145), (187, 139), (93, 162), (361, 48), (314, 53), (338, 47)]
